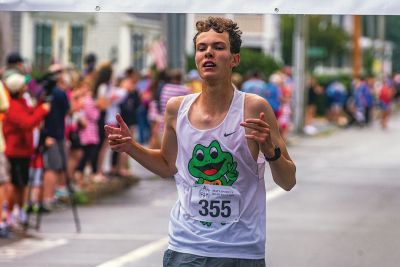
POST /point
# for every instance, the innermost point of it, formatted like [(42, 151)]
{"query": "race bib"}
[(214, 203)]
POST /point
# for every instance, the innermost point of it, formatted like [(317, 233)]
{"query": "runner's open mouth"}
[(211, 168)]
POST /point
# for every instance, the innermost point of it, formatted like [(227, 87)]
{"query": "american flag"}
[(158, 52)]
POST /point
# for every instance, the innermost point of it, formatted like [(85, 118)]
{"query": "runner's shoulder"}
[(173, 105), (254, 104)]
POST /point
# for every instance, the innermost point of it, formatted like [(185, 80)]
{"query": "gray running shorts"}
[(54, 157), (178, 259)]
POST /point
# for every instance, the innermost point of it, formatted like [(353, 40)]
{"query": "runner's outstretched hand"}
[(260, 132), (119, 138)]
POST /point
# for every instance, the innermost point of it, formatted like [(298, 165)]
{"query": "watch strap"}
[(277, 155)]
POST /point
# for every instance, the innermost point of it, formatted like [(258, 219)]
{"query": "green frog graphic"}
[(213, 166)]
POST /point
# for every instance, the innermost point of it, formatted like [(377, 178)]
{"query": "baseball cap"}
[(14, 58), (15, 82)]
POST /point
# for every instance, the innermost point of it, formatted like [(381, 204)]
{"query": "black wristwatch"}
[(276, 156)]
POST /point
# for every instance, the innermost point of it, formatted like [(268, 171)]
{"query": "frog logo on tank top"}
[(211, 165)]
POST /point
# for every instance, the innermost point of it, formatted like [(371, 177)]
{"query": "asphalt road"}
[(344, 211)]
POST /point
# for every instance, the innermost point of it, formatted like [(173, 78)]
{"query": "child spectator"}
[(88, 134)]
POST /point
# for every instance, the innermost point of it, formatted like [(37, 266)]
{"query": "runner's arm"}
[(262, 128), (159, 161)]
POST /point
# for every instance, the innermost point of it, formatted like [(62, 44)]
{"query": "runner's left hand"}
[(261, 133)]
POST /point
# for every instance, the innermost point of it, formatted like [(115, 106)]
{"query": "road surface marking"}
[(274, 193), (166, 201), (137, 254), (97, 236), (27, 247)]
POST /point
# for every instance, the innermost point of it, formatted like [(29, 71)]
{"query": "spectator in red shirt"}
[(18, 125)]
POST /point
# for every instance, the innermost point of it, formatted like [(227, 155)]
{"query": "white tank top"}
[(221, 206)]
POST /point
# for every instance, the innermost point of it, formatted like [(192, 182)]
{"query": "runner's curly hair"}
[(221, 25)]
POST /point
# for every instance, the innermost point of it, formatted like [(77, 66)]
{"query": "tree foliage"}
[(255, 60), (323, 34), (249, 60), (287, 31)]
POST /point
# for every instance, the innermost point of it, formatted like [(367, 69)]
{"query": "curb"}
[(96, 191)]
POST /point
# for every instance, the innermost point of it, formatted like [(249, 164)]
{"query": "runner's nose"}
[(209, 53)]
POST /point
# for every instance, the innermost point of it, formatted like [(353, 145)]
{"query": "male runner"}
[(215, 144)]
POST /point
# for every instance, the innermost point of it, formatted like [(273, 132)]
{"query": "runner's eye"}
[(201, 48), (213, 152), (199, 155)]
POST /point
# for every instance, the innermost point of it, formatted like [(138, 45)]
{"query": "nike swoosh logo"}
[(228, 134)]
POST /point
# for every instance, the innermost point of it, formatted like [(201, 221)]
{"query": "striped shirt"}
[(89, 135), (170, 90)]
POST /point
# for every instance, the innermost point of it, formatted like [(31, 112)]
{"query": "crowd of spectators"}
[(52, 128), (359, 103)]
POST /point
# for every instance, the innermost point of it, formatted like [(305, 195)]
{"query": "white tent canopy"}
[(360, 7)]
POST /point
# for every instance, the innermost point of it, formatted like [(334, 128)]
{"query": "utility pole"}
[(356, 46), (175, 29), (299, 71)]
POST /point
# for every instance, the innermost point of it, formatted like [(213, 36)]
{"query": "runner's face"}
[(213, 56)]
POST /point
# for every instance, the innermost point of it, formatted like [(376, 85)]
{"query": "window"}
[(76, 49), (43, 45), (138, 51)]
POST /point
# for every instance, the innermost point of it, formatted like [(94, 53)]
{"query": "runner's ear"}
[(235, 60)]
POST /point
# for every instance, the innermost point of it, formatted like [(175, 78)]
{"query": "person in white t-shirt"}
[(215, 144)]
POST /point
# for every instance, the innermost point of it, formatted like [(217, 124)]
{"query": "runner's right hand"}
[(119, 138)]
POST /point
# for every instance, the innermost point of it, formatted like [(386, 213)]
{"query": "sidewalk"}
[(115, 184)]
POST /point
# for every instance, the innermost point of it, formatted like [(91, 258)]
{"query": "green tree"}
[(249, 60), (256, 60), (325, 36), (287, 30)]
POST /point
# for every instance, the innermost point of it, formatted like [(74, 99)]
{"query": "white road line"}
[(136, 254), (148, 249), (166, 201), (274, 193), (27, 247), (95, 236)]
